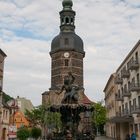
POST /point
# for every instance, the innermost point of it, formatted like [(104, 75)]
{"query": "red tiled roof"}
[(86, 100)]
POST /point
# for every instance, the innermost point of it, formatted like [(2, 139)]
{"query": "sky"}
[(109, 29)]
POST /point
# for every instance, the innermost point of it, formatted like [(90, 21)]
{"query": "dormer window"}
[(66, 41)]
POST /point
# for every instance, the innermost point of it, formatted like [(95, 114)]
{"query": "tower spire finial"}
[(67, 4)]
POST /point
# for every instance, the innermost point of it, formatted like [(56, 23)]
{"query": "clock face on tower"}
[(66, 54)]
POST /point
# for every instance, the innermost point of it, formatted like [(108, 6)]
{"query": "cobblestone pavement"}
[(103, 138)]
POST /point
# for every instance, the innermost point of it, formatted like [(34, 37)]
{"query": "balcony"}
[(125, 74), (122, 117), (118, 80), (126, 113), (126, 93), (134, 65), (118, 98), (135, 110), (118, 114), (135, 87)]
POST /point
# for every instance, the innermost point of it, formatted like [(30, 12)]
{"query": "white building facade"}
[(127, 96)]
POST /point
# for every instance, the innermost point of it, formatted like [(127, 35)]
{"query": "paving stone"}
[(103, 138)]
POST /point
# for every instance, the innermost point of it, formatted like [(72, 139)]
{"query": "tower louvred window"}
[(62, 20), (67, 20), (72, 20)]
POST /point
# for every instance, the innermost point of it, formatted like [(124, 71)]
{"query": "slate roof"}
[(75, 43)]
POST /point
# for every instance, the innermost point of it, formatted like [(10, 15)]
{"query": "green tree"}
[(41, 116), (23, 133), (36, 116), (100, 117), (35, 132), (53, 119), (6, 97)]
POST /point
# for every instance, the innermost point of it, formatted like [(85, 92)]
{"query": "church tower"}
[(66, 94), (67, 51)]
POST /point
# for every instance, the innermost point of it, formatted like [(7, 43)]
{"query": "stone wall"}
[(60, 69)]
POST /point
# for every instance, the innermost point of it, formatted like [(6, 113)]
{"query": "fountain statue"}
[(71, 95)]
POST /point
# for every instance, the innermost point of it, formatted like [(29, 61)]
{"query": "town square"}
[(69, 70)]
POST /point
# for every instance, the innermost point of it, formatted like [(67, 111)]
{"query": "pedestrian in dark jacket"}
[(127, 137), (133, 136)]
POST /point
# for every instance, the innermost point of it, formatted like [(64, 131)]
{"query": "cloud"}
[(26, 69), (108, 28)]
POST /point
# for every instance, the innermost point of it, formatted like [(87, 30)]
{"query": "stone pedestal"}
[(68, 135)]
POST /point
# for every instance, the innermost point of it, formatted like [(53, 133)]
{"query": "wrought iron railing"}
[(126, 93), (126, 112), (135, 86), (133, 65), (125, 73), (135, 109), (118, 80), (118, 97)]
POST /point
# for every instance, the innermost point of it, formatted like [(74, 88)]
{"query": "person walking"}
[(133, 136), (127, 137)]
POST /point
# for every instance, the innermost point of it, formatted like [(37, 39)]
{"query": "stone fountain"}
[(70, 108)]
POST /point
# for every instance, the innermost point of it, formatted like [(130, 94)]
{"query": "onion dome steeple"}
[(67, 39)]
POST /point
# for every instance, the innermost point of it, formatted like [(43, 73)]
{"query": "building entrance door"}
[(4, 134), (118, 131)]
